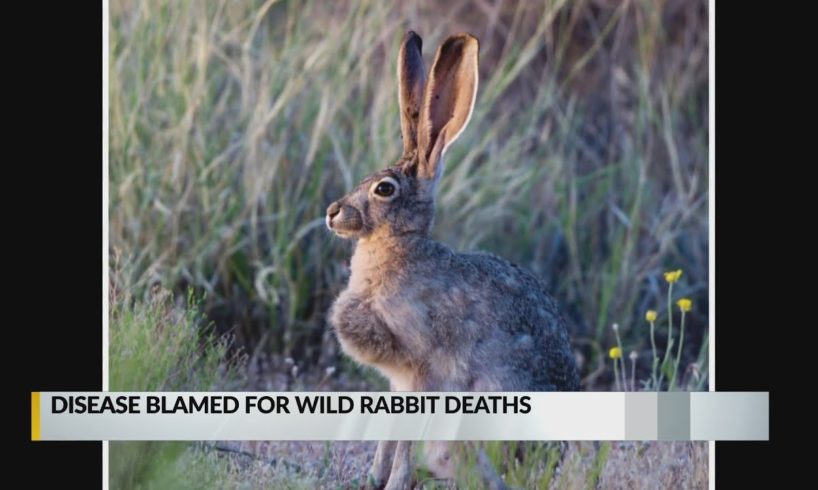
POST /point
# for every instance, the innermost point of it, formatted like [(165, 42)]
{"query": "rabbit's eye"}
[(385, 189)]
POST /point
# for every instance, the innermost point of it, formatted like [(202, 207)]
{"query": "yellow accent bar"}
[(35, 415)]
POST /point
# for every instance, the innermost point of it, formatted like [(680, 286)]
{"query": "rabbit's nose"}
[(333, 210)]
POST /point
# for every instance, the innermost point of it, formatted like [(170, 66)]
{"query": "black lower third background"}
[(62, 345)]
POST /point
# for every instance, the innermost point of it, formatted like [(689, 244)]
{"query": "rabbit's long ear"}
[(411, 79), (448, 100)]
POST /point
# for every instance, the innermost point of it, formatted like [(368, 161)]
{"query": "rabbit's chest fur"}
[(432, 319), (379, 321)]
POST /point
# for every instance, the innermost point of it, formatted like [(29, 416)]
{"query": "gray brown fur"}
[(427, 317)]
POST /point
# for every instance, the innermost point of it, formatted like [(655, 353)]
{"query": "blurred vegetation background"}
[(233, 124)]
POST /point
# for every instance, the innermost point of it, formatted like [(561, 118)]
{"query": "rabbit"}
[(425, 316)]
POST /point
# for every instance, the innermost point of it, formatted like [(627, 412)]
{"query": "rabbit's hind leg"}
[(382, 464), (403, 467)]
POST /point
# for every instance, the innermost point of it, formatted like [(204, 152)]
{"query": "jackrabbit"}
[(427, 317)]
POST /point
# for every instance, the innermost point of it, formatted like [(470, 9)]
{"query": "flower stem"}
[(655, 357), (616, 375), (679, 352), (622, 360), (669, 333)]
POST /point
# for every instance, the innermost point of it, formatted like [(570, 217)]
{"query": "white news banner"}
[(323, 416)]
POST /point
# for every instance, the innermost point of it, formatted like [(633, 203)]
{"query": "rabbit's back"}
[(523, 326)]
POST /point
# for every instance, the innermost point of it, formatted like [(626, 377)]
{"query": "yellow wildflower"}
[(650, 316), (673, 276), (685, 304), (615, 352)]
